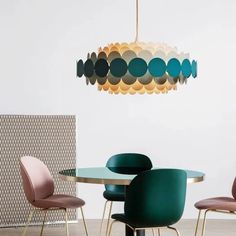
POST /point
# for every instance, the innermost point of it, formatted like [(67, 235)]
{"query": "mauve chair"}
[(39, 190), (218, 204)]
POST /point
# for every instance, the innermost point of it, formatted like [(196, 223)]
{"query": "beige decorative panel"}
[(52, 139)]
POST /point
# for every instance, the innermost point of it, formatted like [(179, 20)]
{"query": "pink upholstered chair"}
[(218, 204), (39, 190)]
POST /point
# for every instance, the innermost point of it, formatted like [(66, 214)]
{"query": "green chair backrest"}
[(156, 197), (127, 163)]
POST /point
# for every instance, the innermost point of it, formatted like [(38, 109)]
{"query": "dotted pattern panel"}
[(52, 139)]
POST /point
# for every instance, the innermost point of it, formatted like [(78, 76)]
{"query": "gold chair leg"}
[(109, 216), (174, 229), (66, 221), (85, 227), (159, 232), (103, 216), (28, 221), (204, 223), (153, 232), (44, 218), (110, 228), (198, 219)]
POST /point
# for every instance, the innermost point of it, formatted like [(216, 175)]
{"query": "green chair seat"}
[(114, 196), (123, 218)]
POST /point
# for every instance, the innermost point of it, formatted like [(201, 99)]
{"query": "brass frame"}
[(195, 179), (204, 218), (103, 217), (117, 181), (44, 219), (135, 229), (109, 217), (95, 180)]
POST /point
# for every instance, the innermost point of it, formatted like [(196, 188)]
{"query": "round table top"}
[(103, 175)]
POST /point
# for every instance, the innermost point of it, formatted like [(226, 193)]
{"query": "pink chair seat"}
[(39, 186), (226, 204), (218, 203), (59, 201), (39, 190)]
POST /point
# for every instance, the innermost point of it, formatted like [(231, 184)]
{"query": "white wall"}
[(192, 128)]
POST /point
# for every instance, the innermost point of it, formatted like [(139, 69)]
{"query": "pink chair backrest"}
[(37, 180), (234, 189)]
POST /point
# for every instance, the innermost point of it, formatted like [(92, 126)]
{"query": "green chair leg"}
[(174, 229), (153, 232), (109, 217), (110, 228), (103, 216)]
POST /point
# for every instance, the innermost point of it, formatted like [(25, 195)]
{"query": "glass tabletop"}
[(103, 175)]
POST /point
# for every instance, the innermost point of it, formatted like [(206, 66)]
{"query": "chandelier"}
[(137, 67)]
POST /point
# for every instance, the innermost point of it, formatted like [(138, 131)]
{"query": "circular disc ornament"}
[(137, 67), (194, 69), (118, 67), (88, 68), (186, 68), (173, 67), (80, 68), (157, 67), (101, 67)]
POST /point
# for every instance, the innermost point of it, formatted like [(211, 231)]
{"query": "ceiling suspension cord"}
[(137, 20)]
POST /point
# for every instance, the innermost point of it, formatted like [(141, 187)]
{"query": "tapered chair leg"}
[(204, 223), (109, 217), (44, 218), (198, 219), (110, 228), (66, 221), (103, 216), (153, 232), (174, 229), (27, 224), (85, 226)]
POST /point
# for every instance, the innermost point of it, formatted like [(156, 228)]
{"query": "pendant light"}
[(137, 67)]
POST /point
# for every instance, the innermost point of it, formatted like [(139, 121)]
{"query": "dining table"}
[(115, 176)]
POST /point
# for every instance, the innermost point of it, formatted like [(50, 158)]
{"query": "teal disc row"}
[(137, 67)]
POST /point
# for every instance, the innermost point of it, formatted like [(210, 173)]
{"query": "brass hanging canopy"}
[(137, 67)]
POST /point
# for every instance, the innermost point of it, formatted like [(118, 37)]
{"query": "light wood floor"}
[(186, 228)]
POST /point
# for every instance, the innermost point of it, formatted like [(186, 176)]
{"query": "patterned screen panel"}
[(52, 139)]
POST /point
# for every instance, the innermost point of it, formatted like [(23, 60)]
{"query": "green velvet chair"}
[(123, 163), (154, 199)]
